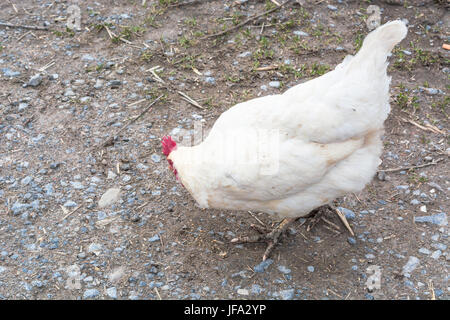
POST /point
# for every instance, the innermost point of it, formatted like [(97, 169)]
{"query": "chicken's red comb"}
[(168, 145)]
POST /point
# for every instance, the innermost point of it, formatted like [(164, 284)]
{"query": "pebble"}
[(210, 80), (111, 196), (22, 106), (95, 248), (25, 181), (439, 246), (243, 292), (439, 218), (35, 80), (284, 269), (154, 238), (310, 268), (349, 214), (98, 84), (70, 204), (332, 8), (262, 266), (155, 158), (112, 292), (87, 58), (90, 293), (436, 254), (301, 33), (351, 240), (424, 251), (9, 73), (256, 289), (287, 294), (245, 54), (274, 84), (410, 266)]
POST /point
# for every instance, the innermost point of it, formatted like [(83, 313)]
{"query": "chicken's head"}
[(168, 145)]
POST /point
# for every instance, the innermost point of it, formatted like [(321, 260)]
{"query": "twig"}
[(176, 5), (70, 213), (431, 288), (344, 220), (190, 100), (330, 223), (412, 167), (155, 76), (22, 36), (253, 215), (156, 290), (3, 24), (111, 139), (268, 68), (427, 127), (246, 21), (136, 102), (48, 65)]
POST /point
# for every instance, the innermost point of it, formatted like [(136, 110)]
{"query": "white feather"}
[(327, 134)]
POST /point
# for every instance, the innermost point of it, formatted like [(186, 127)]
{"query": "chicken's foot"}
[(272, 237)]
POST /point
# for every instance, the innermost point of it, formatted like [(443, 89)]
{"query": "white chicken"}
[(299, 150)]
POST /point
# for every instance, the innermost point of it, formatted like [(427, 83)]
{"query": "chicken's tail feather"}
[(380, 42)]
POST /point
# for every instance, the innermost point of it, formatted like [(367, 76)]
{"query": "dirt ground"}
[(71, 133)]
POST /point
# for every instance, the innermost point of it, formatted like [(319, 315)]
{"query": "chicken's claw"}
[(272, 237)]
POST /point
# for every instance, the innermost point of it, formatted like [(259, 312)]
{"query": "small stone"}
[(98, 84), (310, 268), (90, 293), (87, 58), (423, 208), (381, 176), (155, 158), (263, 266), (77, 185), (70, 204), (69, 92), (154, 238), (35, 80), (111, 196), (22, 106), (351, 240), (112, 292), (349, 214), (25, 181), (332, 8), (439, 218), (301, 33), (284, 270), (243, 292), (114, 84), (274, 84), (410, 266), (95, 248), (436, 254), (287, 294), (245, 54), (210, 80), (111, 175)]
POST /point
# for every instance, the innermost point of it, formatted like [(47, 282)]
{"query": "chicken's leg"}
[(272, 238)]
